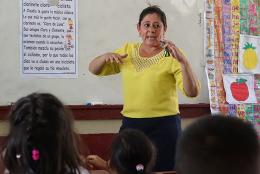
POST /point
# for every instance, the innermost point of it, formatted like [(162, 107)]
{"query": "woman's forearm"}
[(190, 81), (96, 65)]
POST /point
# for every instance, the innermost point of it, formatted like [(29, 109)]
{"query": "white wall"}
[(103, 25), (95, 126)]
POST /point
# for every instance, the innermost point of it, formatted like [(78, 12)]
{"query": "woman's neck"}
[(149, 51)]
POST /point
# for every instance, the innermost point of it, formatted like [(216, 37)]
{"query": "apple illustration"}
[(239, 89)]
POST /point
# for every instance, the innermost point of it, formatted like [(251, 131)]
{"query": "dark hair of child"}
[(132, 153), (218, 144), (41, 139)]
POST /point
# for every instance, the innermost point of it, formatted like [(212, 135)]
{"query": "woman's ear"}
[(138, 28)]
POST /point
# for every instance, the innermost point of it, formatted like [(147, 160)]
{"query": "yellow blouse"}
[(149, 84)]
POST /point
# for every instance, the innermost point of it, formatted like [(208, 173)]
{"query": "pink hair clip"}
[(35, 154), (139, 167)]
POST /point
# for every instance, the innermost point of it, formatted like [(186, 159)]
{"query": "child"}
[(41, 139), (131, 153), (218, 145)]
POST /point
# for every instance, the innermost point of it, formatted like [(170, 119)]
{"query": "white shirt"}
[(81, 169)]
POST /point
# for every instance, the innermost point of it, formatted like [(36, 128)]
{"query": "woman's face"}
[(151, 29)]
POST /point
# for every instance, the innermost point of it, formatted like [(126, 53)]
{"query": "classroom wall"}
[(107, 118), (103, 25), (95, 126)]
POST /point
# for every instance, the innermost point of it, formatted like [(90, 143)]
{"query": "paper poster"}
[(209, 55), (249, 54), (233, 93), (49, 38), (227, 33), (244, 18), (239, 88), (235, 30)]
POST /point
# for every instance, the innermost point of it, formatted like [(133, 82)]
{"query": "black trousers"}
[(163, 132)]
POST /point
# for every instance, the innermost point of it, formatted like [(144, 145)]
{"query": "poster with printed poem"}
[(48, 40)]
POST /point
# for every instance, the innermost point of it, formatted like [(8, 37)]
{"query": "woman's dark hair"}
[(40, 122), (151, 10), (129, 149)]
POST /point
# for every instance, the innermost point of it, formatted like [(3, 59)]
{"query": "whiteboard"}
[(103, 25)]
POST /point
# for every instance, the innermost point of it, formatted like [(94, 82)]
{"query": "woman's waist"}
[(143, 113)]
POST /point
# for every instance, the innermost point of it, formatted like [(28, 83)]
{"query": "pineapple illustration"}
[(250, 59)]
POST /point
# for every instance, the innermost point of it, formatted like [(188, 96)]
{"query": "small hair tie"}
[(18, 156), (35, 154), (139, 167)]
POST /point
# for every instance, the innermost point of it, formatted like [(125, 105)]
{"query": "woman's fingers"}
[(172, 48), (123, 55), (174, 51), (115, 58)]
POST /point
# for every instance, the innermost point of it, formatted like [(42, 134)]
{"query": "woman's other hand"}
[(190, 81), (174, 51)]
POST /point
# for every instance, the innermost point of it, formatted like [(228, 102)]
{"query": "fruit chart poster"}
[(239, 88), (249, 49), (232, 63)]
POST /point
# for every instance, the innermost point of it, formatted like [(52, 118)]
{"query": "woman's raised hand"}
[(174, 51), (114, 57)]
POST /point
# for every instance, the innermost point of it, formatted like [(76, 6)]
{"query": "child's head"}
[(131, 150), (218, 144), (41, 138)]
